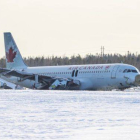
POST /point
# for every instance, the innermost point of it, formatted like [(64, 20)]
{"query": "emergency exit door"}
[(114, 71)]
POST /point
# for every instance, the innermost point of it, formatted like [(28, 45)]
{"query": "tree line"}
[(131, 59)]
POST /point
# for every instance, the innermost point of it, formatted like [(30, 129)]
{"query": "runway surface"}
[(69, 115)]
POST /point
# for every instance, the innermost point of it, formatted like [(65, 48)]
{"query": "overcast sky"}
[(66, 27)]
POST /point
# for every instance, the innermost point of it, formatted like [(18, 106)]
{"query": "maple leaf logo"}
[(10, 55)]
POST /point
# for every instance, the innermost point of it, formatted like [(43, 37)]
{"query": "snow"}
[(69, 115)]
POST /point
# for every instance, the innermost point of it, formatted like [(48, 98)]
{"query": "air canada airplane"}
[(70, 77)]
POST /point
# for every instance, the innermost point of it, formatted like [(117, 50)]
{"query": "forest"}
[(131, 59)]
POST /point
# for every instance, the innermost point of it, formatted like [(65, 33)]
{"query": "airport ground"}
[(69, 115)]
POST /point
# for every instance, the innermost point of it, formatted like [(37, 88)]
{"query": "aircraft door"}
[(73, 72), (76, 73), (114, 71)]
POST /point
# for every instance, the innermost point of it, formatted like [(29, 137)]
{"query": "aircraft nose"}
[(137, 79)]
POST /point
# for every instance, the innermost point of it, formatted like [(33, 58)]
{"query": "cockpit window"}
[(134, 71), (125, 71), (129, 71)]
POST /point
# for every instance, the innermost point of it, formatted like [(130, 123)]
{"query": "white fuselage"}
[(91, 77)]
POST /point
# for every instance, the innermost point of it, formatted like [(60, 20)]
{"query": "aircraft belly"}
[(86, 83), (108, 83)]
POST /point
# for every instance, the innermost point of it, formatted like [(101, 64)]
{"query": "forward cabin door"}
[(114, 71)]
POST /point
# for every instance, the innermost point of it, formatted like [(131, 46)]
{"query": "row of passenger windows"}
[(129, 70), (78, 72), (81, 72), (94, 72)]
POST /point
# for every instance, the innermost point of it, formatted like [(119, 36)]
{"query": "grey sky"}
[(46, 27)]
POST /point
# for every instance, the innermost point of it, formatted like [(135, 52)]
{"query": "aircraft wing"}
[(47, 82)]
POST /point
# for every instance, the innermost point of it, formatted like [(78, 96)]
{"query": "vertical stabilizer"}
[(13, 56)]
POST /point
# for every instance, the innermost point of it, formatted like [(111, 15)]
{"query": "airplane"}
[(69, 77)]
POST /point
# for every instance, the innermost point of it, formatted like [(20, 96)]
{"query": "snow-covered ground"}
[(69, 115)]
